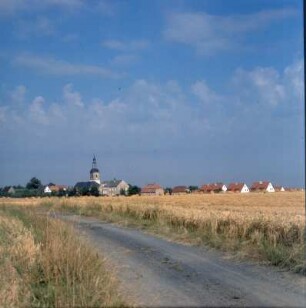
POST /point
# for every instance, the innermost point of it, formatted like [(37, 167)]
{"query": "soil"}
[(156, 272)]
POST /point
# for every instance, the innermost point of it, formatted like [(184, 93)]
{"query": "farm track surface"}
[(154, 272)]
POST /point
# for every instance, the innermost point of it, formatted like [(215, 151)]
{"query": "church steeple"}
[(94, 162), (94, 172)]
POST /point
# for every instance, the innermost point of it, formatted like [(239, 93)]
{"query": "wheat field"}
[(262, 225)]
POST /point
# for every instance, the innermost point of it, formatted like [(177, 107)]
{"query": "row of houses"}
[(260, 186)]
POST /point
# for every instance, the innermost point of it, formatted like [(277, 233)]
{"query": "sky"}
[(168, 91)]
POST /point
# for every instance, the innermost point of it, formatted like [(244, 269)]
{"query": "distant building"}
[(106, 188), (279, 188), (213, 188), (54, 188), (180, 190), (238, 188), (152, 189), (262, 186), (113, 187), (9, 190), (94, 172)]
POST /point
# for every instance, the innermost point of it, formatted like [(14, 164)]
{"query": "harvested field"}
[(265, 227)]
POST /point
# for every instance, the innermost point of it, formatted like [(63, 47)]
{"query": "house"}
[(279, 188), (54, 188), (152, 189), (238, 188), (10, 190), (213, 188), (263, 186), (113, 188), (47, 190), (180, 190)]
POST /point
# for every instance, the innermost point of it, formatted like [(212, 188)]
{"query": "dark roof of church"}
[(94, 170), (88, 184)]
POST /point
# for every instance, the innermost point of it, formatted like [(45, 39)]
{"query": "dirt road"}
[(155, 272)]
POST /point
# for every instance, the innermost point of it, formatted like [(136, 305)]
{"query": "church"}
[(106, 188)]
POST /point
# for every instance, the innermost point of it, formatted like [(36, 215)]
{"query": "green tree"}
[(192, 188), (168, 190), (94, 191), (133, 190), (34, 183), (85, 191)]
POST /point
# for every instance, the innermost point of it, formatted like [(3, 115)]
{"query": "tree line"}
[(34, 188)]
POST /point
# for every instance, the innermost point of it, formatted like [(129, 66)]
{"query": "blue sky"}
[(174, 92)]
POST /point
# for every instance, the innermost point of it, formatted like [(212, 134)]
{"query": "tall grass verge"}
[(44, 264)]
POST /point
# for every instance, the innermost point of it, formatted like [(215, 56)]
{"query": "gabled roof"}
[(212, 187), (261, 185), (111, 184), (57, 187), (235, 186), (151, 188), (180, 189)]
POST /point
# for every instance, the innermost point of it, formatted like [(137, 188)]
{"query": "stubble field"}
[(261, 226)]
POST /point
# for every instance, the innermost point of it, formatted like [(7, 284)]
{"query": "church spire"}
[(94, 162), (94, 172)]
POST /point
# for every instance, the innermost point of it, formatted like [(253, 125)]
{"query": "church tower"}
[(94, 172)]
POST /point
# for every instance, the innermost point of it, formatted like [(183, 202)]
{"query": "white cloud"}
[(126, 46), (210, 34), (269, 88), (18, 94), (72, 97), (204, 93), (48, 65), (294, 79), (37, 112)]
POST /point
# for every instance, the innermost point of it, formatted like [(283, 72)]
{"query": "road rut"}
[(156, 272)]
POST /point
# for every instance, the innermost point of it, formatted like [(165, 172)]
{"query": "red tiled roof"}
[(179, 189), (235, 186), (151, 188), (261, 185), (212, 187), (58, 187)]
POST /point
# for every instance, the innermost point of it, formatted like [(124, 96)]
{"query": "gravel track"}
[(156, 272)]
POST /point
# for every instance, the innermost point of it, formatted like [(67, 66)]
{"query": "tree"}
[(85, 191), (94, 191), (34, 183), (133, 190), (168, 190), (192, 188)]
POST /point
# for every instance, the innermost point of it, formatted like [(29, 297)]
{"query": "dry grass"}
[(262, 226), (43, 263)]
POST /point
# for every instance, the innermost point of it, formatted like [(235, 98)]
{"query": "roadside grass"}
[(263, 227), (44, 264)]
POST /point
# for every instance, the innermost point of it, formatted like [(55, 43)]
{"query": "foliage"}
[(34, 183), (94, 191), (168, 190), (133, 190)]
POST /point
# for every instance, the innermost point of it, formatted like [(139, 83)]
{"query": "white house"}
[(47, 190), (262, 186), (238, 187)]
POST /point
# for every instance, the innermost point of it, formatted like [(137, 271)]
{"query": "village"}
[(119, 187)]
